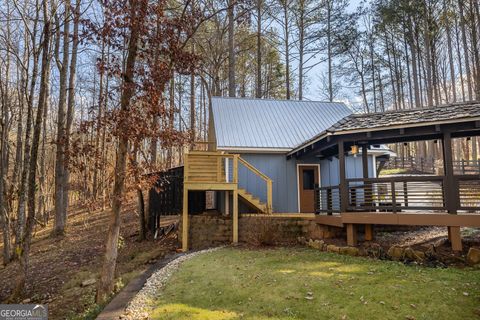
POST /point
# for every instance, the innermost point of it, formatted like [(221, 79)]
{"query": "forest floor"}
[(62, 267)]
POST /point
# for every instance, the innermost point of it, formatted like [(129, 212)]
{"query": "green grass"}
[(273, 284)]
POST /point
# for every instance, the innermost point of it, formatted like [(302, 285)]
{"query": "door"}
[(307, 179)]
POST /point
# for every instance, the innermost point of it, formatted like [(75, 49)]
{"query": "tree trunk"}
[(465, 49), (475, 44), (372, 62), (450, 56), (70, 107), (4, 133), (231, 48), (32, 165), (59, 223), (287, 48), (105, 285), (459, 57), (192, 109), (428, 59), (258, 92), (329, 50), (413, 54), (301, 30), (22, 190)]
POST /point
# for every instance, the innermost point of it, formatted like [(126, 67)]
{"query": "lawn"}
[(308, 284)]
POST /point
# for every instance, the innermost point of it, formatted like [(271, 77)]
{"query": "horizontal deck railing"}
[(208, 167), (395, 194), (401, 194), (327, 199), (468, 192)]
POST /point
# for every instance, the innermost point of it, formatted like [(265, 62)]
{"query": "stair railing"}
[(257, 172)]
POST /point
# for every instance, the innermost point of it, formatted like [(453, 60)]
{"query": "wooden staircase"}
[(252, 201), (218, 171), (205, 170)]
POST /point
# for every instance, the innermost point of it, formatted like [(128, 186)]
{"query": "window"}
[(308, 179)]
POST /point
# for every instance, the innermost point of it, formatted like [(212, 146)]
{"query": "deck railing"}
[(401, 194), (394, 194), (208, 167), (468, 192), (327, 199), (203, 167)]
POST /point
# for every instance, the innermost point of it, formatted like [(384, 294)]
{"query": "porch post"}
[(343, 177), (365, 161), (235, 216), (185, 225), (367, 186), (450, 191)]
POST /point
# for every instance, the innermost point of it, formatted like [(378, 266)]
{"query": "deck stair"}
[(252, 201), (218, 171)]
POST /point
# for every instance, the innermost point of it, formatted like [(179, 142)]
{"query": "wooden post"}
[(365, 161), (185, 225), (227, 202), (351, 234), (368, 232), (269, 196), (343, 177), (367, 186), (455, 238), (450, 190), (235, 216), (235, 168)]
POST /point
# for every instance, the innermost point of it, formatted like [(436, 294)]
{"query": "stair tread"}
[(250, 198)]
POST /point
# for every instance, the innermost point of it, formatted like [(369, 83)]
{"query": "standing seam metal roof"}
[(273, 124)]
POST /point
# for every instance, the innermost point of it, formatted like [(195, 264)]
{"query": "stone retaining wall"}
[(213, 230)]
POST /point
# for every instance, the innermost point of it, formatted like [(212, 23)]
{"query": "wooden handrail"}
[(264, 177), (214, 170), (253, 169)]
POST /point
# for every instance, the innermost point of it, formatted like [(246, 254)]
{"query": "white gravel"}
[(138, 307)]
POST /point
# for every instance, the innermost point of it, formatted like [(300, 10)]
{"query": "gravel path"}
[(139, 305)]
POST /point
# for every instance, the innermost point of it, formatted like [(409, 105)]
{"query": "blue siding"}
[(329, 170), (283, 172)]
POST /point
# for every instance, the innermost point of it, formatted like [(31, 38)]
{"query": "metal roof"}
[(242, 123)]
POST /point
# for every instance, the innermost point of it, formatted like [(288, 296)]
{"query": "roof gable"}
[(271, 124)]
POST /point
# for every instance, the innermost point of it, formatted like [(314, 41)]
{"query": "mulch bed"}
[(421, 238)]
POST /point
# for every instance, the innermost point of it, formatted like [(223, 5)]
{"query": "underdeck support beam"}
[(235, 216), (185, 225), (351, 234), (369, 232), (455, 238)]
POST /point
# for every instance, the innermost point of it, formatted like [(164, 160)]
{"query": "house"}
[(318, 161), (263, 132)]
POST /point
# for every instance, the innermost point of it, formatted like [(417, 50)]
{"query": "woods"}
[(95, 94)]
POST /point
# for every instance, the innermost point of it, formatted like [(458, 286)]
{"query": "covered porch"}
[(449, 197)]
